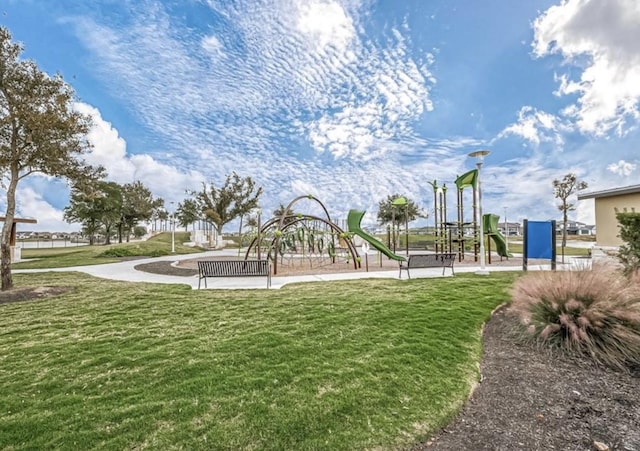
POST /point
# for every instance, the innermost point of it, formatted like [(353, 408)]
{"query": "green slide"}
[(353, 221), (490, 224)]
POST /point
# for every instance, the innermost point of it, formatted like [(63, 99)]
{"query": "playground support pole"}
[(406, 227), (258, 213), (480, 154), (460, 230), (506, 232)]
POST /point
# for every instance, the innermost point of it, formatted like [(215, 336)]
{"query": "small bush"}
[(584, 312), (158, 253), (133, 251), (121, 251)]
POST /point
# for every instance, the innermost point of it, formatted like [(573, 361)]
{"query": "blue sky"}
[(348, 100)]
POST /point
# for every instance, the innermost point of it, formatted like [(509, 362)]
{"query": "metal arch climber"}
[(303, 238)]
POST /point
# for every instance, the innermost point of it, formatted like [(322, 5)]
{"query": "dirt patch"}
[(530, 399), (31, 294)]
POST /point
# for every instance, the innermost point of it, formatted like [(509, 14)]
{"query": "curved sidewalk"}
[(126, 271)]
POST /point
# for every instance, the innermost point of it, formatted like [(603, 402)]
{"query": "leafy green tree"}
[(139, 231), (40, 132), (138, 205), (101, 204), (82, 209), (237, 197), (387, 211), (282, 211), (629, 252), (188, 212), (563, 190), (163, 216)]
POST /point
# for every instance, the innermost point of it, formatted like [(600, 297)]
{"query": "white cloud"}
[(536, 126), (623, 168), (31, 204), (110, 151), (326, 24), (213, 46), (600, 38)]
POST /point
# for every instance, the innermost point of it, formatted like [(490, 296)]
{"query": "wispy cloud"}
[(267, 73)]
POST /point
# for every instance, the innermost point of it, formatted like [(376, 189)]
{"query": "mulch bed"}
[(166, 268), (530, 399)]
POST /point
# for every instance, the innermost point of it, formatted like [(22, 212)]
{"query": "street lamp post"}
[(506, 230), (173, 230), (479, 155), (258, 238)]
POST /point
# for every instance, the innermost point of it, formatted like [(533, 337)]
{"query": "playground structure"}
[(459, 236), (353, 221), (294, 239), (297, 239)]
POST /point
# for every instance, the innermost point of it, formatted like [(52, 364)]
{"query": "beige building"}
[(606, 203)]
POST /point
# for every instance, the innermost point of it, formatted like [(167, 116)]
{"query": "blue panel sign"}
[(540, 239)]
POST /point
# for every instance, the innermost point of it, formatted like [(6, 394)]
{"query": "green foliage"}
[(387, 211), (97, 208), (138, 204), (289, 215), (40, 132), (107, 206), (139, 231), (629, 252), (366, 364), (237, 197), (133, 251), (593, 313), (188, 212)]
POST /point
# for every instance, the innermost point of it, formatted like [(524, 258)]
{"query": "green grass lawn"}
[(60, 257), (348, 365)]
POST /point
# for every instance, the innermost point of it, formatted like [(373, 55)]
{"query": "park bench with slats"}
[(443, 261), (233, 268)]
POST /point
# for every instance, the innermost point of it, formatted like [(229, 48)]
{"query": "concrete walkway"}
[(126, 271)]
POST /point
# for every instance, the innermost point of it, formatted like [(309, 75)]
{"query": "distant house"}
[(510, 228), (576, 228), (606, 203)]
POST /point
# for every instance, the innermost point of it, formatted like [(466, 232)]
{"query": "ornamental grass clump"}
[(584, 312)]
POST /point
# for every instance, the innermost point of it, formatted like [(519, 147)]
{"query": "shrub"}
[(584, 312), (132, 251), (629, 253)]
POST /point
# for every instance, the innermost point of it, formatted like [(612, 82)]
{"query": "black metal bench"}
[(233, 268), (443, 261)]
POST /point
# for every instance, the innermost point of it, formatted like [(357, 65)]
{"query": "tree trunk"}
[(564, 232), (5, 243)]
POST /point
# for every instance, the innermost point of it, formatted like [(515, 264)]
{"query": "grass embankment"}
[(346, 365), (60, 257)]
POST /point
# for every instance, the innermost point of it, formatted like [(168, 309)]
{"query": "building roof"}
[(633, 189)]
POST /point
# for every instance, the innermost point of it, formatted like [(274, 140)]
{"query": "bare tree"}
[(563, 190)]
